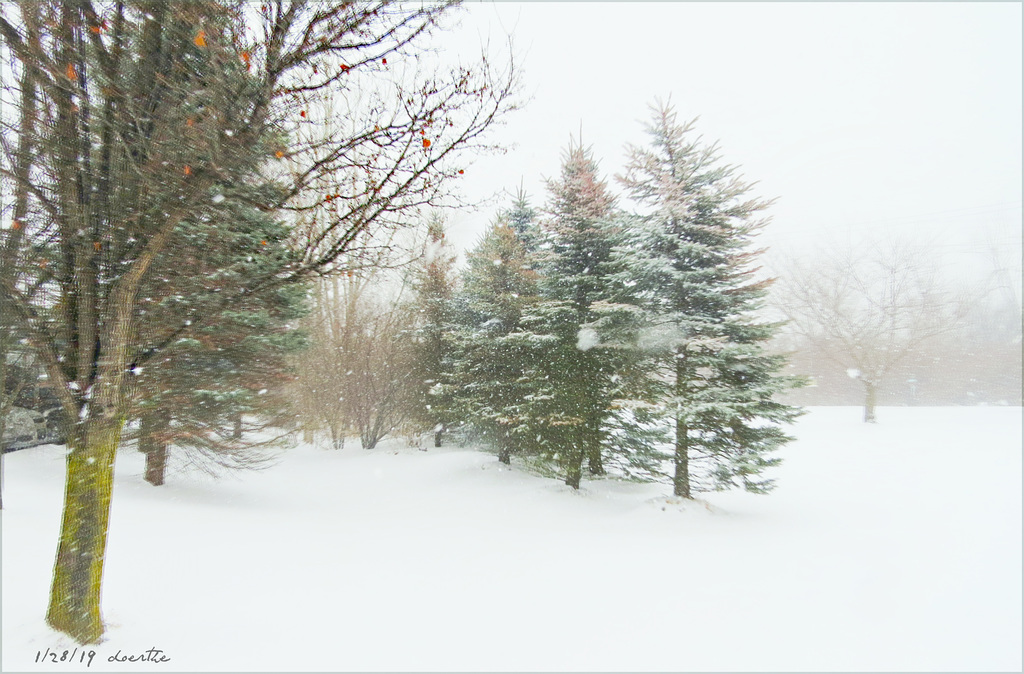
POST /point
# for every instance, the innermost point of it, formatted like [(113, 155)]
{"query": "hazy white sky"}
[(882, 118)]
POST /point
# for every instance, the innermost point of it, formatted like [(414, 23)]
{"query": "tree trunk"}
[(870, 396), (505, 455), (595, 464), (337, 437), (156, 464), (152, 444), (437, 436), (681, 480), (574, 466), (236, 432), (78, 571)]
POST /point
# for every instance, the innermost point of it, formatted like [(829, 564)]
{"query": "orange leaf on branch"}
[(426, 143), (200, 39), (70, 72), (188, 170)]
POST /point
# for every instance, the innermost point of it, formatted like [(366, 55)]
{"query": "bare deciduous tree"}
[(380, 369), (318, 399), (356, 373), (869, 310)]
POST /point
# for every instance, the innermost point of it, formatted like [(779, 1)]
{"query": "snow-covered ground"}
[(895, 546)]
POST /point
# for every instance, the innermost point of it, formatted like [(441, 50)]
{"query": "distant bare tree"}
[(319, 402), (380, 368), (355, 375), (870, 310)]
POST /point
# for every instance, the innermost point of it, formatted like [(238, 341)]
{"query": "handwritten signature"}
[(86, 656)]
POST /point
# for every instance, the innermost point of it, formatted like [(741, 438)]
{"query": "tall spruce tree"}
[(688, 266), (576, 373), (497, 359), (242, 354)]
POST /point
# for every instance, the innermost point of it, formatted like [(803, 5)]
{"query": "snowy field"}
[(887, 547)]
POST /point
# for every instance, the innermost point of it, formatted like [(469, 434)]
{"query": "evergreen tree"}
[(521, 218), (242, 354), (576, 373), (496, 358), (687, 265), (432, 353)]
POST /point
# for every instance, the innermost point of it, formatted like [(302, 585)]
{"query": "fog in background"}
[(873, 124)]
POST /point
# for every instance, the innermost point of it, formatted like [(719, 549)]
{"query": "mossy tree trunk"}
[(78, 571)]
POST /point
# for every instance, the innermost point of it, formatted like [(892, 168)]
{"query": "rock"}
[(23, 428)]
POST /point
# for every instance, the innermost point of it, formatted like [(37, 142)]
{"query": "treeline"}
[(581, 337)]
